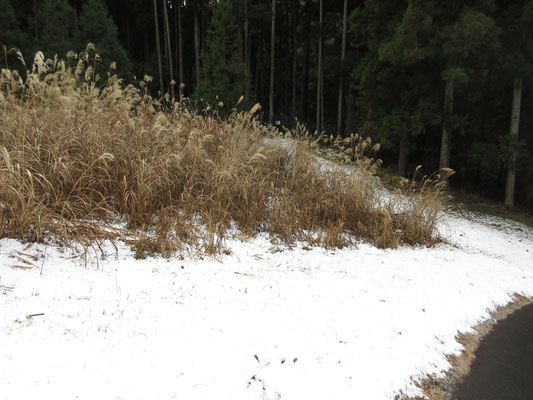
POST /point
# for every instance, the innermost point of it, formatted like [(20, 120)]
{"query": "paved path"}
[(503, 368)]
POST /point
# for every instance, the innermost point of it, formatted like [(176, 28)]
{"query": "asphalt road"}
[(503, 368)]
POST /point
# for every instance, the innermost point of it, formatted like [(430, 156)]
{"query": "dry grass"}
[(79, 154)]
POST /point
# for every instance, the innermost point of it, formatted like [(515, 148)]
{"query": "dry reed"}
[(80, 153)]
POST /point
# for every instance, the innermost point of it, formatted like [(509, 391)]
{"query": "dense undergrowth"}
[(82, 161)]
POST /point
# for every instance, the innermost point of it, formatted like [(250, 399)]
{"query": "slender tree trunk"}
[(287, 64), (180, 52), (343, 52), (272, 63), (246, 44), (177, 3), (487, 98), (294, 63), (446, 129), (403, 156), (197, 45), (322, 98), (319, 73), (257, 82), (515, 124), (350, 115), (203, 33), (169, 49), (246, 55), (165, 40), (305, 77), (158, 45)]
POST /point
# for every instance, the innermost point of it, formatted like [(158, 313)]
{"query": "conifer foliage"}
[(224, 76), (97, 27), (56, 27), (10, 33)]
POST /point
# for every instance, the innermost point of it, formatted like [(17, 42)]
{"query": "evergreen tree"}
[(409, 52), (424, 43), (223, 73), (392, 81), (10, 34), (56, 27), (272, 64), (471, 33), (97, 27)]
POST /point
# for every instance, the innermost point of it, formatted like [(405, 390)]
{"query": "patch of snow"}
[(258, 324)]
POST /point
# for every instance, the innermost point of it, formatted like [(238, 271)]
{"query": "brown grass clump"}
[(79, 155)]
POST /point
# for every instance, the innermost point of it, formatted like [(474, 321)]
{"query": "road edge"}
[(442, 388)]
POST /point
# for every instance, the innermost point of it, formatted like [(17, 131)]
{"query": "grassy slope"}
[(77, 155)]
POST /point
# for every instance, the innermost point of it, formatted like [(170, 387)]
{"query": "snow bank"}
[(266, 322)]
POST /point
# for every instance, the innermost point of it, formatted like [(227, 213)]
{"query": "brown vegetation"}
[(80, 157)]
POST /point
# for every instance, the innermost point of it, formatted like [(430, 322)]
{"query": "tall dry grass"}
[(81, 155)]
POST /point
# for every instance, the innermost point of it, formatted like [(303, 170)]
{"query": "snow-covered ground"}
[(266, 322)]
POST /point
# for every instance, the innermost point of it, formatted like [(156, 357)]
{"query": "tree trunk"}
[(169, 49), (177, 3), (350, 114), (322, 99), (257, 83), (294, 63), (246, 54), (286, 83), (343, 52), (203, 33), (305, 77), (272, 63), (515, 123), (403, 157), (197, 45), (180, 52), (165, 40), (319, 73), (246, 44), (446, 129), (158, 48)]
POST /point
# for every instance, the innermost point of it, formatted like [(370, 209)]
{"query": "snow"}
[(266, 322)]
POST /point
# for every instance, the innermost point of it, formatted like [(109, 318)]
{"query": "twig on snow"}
[(34, 315)]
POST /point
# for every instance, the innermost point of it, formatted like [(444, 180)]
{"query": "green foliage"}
[(10, 34), (518, 38), (423, 43), (224, 77), (492, 158), (455, 74), (393, 77), (97, 27), (474, 32), (411, 42), (57, 27)]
